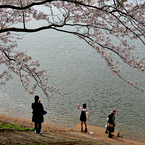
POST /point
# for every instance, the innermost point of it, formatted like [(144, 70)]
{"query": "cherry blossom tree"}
[(94, 21)]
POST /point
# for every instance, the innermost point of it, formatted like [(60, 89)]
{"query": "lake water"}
[(82, 76)]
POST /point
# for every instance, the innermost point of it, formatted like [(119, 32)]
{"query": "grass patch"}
[(12, 126)]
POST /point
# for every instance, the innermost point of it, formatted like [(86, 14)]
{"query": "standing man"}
[(37, 114), (111, 122)]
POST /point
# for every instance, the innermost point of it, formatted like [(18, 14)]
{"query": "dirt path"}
[(53, 134)]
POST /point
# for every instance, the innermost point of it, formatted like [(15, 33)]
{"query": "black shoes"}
[(82, 129), (110, 135), (85, 130)]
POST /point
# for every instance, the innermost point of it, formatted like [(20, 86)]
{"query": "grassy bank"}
[(16, 134), (18, 131)]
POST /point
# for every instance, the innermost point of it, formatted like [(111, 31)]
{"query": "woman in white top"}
[(83, 116)]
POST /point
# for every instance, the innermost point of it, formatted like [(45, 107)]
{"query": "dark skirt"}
[(83, 116)]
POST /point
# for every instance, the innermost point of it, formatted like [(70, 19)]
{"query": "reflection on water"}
[(82, 76)]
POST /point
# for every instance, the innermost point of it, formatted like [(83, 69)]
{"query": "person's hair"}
[(84, 105), (114, 111), (36, 98)]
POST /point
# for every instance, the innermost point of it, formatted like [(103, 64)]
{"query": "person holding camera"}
[(38, 112), (83, 116)]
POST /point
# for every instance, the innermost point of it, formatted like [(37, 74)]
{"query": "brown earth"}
[(57, 135)]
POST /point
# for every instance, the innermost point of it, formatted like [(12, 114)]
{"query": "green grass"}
[(13, 126)]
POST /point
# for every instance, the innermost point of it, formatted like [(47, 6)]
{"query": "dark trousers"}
[(38, 127), (110, 134), (111, 129)]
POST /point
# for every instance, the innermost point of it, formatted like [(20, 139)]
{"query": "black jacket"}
[(111, 119), (37, 112)]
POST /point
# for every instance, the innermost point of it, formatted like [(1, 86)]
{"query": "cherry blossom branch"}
[(92, 21), (29, 30), (25, 7), (83, 4), (128, 28), (52, 27)]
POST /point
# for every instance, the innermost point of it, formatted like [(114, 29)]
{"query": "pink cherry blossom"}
[(96, 22)]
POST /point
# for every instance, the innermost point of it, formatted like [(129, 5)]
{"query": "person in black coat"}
[(37, 116), (111, 123)]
